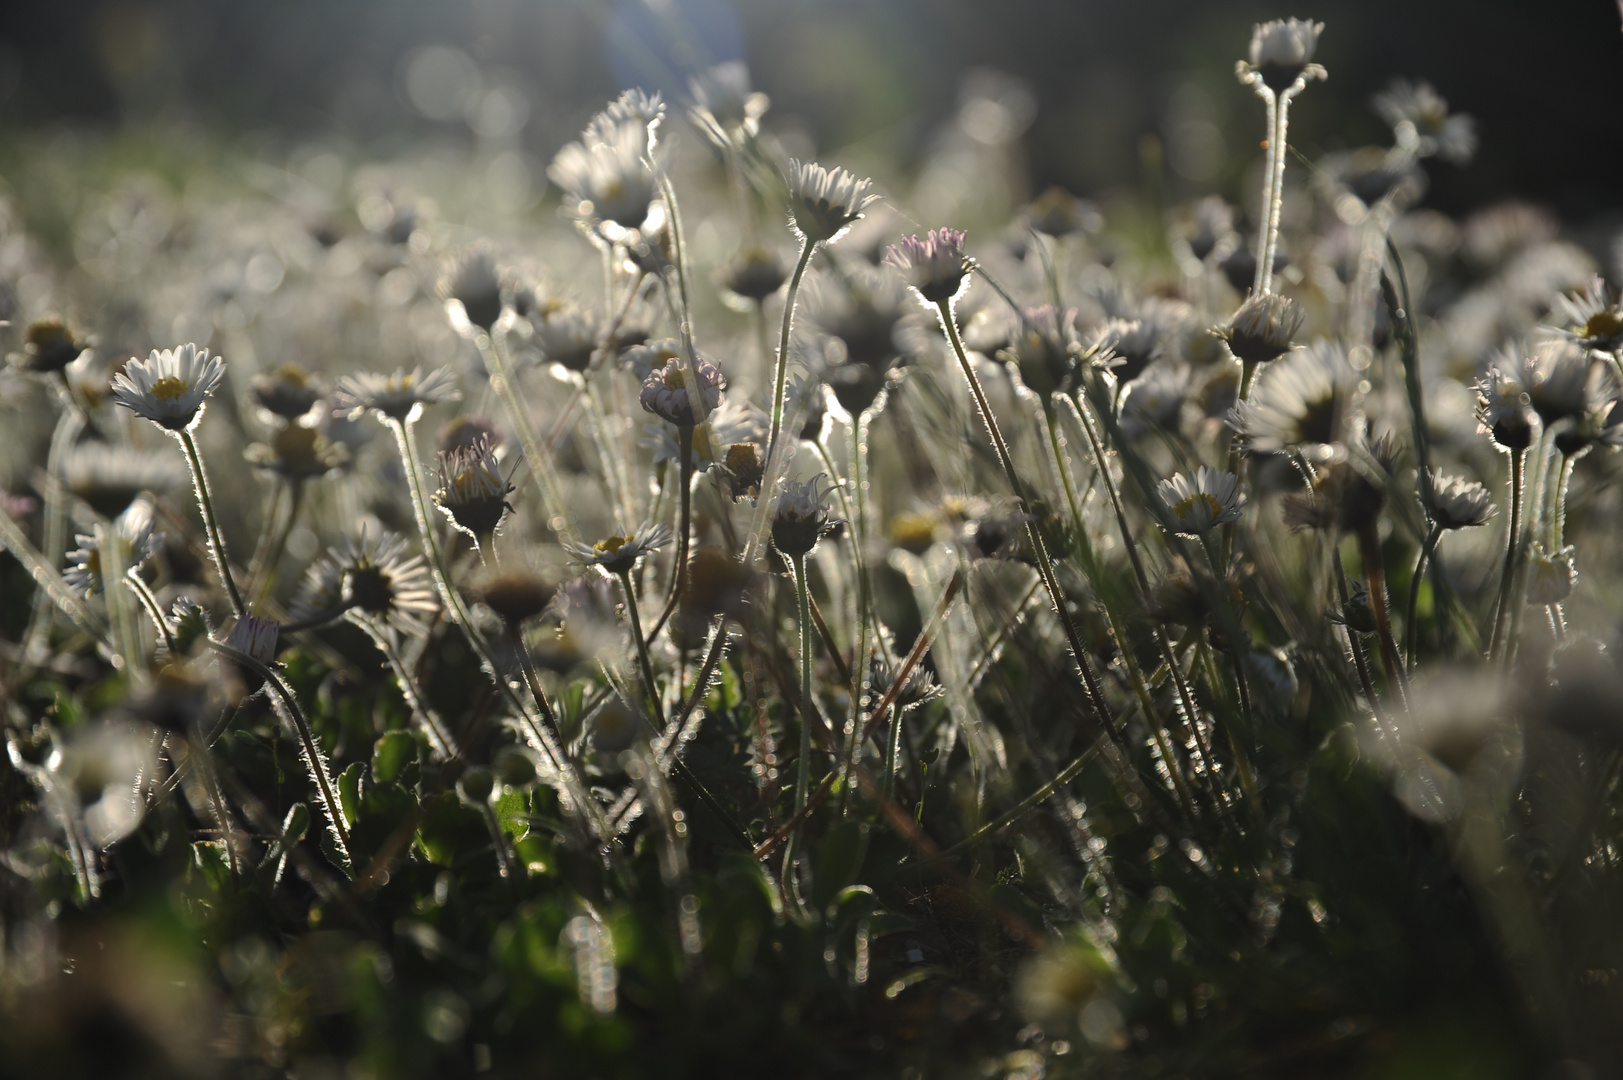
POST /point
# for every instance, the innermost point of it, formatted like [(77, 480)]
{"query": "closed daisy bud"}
[(1195, 509), (935, 266), (49, 345), (1262, 329), (1550, 574), (170, 387), (1282, 49), (288, 392), (754, 273), (823, 203), (800, 515), (1457, 503), (255, 637), (619, 553), (473, 493), (683, 395)]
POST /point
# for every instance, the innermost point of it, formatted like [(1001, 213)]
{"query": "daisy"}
[(824, 202), (1550, 574), (372, 573), (667, 392), (169, 387), (619, 553), (400, 396), (133, 534), (606, 173), (289, 392), (473, 493), (1298, 402), (566, 333), (1593, 320), (800, 515), (935, 266), (1213, 499), (1458, 503), (1262, 329), (1281, 50)]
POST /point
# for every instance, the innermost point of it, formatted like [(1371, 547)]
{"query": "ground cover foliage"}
[(713, 622)]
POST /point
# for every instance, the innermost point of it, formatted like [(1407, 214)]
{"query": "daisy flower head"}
[(1550, 574), (1591, 318), (800, 515), (1298, 403), (517, 595), (371, 572), (1042, 348), (135, 540), (823, 203), (298, 453), (472, 286), (934, 266), (1056, 212), (1194, 509), (400, 396), (618, 554), (754, 273), (169, 387), (683, 395), (288, 393), (1502, 409), (1458, 503), (1125, 347), (1155, 401), (566, 333), (1261, 330), (724, 106), (1562, 381), (607, 172), (1282, 50), (49, 345), (1421, 122), (473, 492)]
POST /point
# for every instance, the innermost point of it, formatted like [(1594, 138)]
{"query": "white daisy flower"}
[(372, 572), (133, 534), (824, 202), (1421, 122), (256, 637), (1591, 317), (1298, 402), (473, 492), (400, 396), (1197, 508), (1262, 329), (1550, 574), (169, 387), (667, 394), (934, 266), (619, 553), (800, 515), (1458, 503), (607, 173), (566, 333), (1281, 50)]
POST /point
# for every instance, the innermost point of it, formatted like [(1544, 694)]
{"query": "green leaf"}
[(349, 791), (838, 858), (449, 828), (513, 811), (384, 808), (391, 754)]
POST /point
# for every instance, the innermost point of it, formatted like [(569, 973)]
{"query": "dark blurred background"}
[(1125, 91)]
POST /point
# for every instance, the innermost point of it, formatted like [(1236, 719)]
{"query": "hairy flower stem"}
[(1369, 553), (57, 500), (780, 377), (1039, 549), (1411, 628), (286, 705), (205, 504), (864, 602), (149, 604), (1512, 546), (262, 573), (803, 766), (684, 527), (1272, 145), (1360, 661), (439, 736)]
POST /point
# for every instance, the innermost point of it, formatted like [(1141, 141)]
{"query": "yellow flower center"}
[(169, 388), (674, 379), (611, 545), (1186, 507), (1604, 323)]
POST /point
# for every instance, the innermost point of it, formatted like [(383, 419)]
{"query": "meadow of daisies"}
[(716, 620)]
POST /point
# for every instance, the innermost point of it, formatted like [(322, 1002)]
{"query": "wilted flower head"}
[(800, 515), (1282, 49), (1297, 402), (1421, 122), (49, 345), (682, 394), (1458, 503), (1590, 318), (618, 554), (400, 396), (288, 392), (1550, 574), (566, 333), (372, 573), (935, 266), (473, 284), (606, 174), (744, 469), (169, 387), (473, 492), (131, 532), (1196, 508), (109, 478), (754, 273), (1262, 329), (1125, 347), (824, 202)]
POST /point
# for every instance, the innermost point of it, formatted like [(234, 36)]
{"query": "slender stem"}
[(1512, 545), (494, 353), (216, 542), (1030, 802), (1369, 552), (150, 604), (803, 766), (780, 378), (864, 601), (1276, 193), (423, 713), (1033, 535), (1259, 281), (1360, 662), (1411, 628), (68, 426), (1558, 518)]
